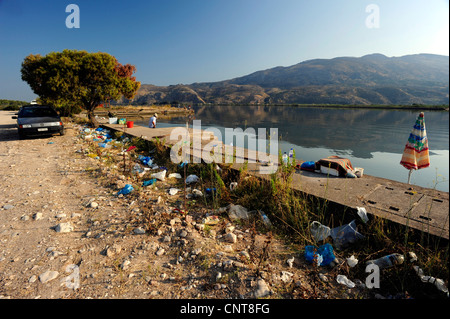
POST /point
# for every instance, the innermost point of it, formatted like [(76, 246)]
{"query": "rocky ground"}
[(66, 233)]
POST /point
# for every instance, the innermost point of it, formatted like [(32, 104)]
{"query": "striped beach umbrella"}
[(416, 156)]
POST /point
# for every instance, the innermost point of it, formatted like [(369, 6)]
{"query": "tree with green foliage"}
[(72, 79)]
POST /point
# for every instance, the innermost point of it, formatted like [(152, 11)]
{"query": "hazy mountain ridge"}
[(371, 79)]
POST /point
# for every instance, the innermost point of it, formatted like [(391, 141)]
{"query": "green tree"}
[(71, 79)]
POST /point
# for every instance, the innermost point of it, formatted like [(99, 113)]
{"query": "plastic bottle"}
[(388, 261), (285, 158), (291, 155)]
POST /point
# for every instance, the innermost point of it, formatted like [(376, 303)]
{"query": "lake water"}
[(373, 139)]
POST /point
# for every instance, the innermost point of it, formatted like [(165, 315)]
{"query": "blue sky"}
[(174, 41)]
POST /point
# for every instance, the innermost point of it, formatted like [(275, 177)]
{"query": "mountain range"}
[(373, 79)]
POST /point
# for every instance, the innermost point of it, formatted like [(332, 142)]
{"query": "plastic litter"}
[(211, 220), (285, 159), (160, 175), (233, 186), (352, 261), (173, 191), (210, 191), (363, 214), (323, 255), (149, 182), (345, 235), (439, 283), (265, 219), (387, 261), (137, 169), (343, 280), (319, 231), (192, 179), (146, 160), (174, 175), (126, 190), (291, 155)]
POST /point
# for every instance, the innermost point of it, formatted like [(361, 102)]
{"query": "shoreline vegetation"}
[(12, 105)]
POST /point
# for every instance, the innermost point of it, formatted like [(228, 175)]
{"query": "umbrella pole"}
[(409, 176)]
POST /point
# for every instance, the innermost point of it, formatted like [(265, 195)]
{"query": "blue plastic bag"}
[(126, 190), (149, 182), (145, 160), (324, 254)]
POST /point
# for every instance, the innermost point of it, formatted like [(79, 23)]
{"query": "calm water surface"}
[(371, 139)]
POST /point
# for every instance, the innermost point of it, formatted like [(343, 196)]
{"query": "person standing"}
[(152, 123)]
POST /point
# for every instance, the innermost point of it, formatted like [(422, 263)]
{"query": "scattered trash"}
[(173, 191), (146, 160), (233, 186), (50, 142), (323, 255), (191, 179), (126, 190), (352, 261), (363, 214), (439, 283), (149, 182), (319, 231), (345, 235), (174, 175), (388, 261), (343, 280), (197, 193), (211, 220), (265, 219), (290, 262), (137, 169), (210, 191), (130, 148), (160, 175), (413, 257)]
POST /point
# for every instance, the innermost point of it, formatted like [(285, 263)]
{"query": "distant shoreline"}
[(350, 106)]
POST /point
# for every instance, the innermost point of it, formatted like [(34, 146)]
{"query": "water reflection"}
[(359, 134)]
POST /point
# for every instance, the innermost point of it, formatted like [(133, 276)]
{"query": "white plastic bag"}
[(160, 175), (191, 179), (363, 214), (319, 231), (343, 280)]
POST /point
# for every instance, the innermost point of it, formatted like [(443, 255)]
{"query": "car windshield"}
[(37, 112)]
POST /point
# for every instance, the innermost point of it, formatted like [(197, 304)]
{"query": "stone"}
[(113, 250), (93, 205), (286, 276), (139, 231), (236, 212), (125, 265), (160, 251), (64, 228), (37, 216), (262, 290), (8, 206), (48, 276), (230, 238)]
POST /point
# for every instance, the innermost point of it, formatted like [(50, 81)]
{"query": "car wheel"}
[(62, 132)]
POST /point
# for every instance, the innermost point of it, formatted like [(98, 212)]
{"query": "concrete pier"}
[(420, 208)]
